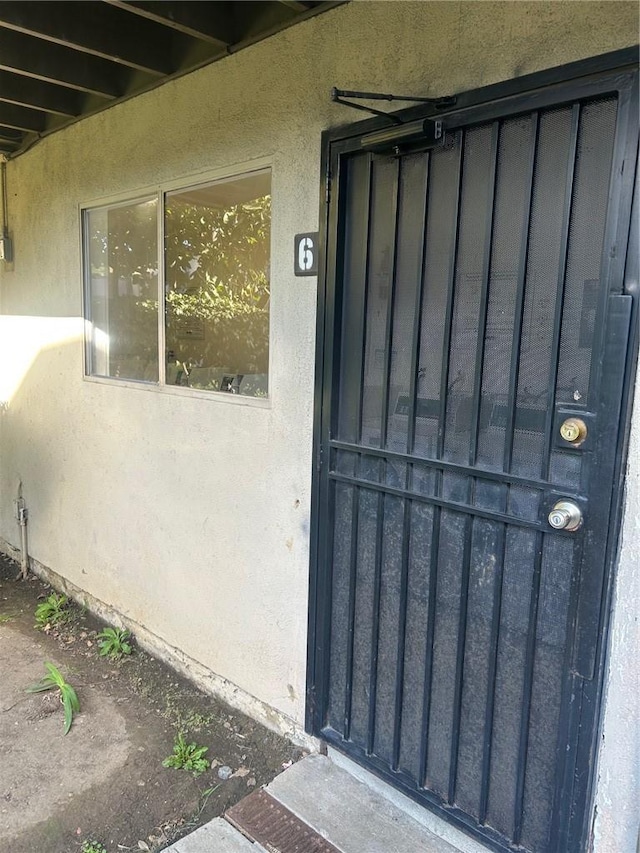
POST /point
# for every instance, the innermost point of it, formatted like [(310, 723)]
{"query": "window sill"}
[(180, 391)]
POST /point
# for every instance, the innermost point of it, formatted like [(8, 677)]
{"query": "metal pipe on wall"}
[(22, 514)]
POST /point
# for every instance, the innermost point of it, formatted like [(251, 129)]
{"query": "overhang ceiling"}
[(61, 61)]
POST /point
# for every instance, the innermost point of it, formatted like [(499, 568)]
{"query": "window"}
[(206, 326), (121, 246)]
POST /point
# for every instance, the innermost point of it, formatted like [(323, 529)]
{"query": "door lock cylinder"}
[(565, 515)]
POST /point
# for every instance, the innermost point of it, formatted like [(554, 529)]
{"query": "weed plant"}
[(93, 847), (113, 643), (52, 612), (187, 756), (55, 681)]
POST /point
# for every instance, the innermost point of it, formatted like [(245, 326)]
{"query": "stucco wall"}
[(191, 516), (617, 817)]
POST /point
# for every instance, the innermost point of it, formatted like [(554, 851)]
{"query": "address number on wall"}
[(305, 253)]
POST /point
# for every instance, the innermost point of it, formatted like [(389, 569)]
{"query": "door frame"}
[(526, 93)]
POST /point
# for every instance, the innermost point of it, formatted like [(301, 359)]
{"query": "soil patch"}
[(104, 781)]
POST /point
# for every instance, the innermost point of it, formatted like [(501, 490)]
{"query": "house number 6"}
[(306, 254)]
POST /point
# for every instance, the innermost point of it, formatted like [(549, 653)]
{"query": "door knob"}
[(574, 430), (565, 515)]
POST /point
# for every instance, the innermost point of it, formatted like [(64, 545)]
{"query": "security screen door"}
[(474, 373)]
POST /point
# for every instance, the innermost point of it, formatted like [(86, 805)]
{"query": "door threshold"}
[(437, 826)]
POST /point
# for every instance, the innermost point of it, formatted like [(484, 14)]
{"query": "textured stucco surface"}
[(617, 817), (188, 515)]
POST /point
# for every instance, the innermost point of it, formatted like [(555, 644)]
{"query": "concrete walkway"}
[(346, 811)]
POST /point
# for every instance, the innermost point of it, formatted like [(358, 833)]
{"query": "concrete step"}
[(217, 836), (349, 813)]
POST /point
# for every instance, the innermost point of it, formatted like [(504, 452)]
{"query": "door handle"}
[(565, 515)]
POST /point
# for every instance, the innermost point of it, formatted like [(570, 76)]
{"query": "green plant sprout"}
[(53, 611), (113, 643), (187, 756), (55, 681), (93, 847)]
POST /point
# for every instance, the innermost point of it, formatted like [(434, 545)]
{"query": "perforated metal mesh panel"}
[(469, 312)]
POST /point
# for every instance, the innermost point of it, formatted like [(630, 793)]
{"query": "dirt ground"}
[(104, 781)]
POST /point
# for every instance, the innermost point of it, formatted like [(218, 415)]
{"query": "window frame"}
[(159, 192)]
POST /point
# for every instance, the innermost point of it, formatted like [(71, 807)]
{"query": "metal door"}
[(475, 305)]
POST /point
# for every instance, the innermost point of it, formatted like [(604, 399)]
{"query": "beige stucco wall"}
[(187, 515), (617, 816)]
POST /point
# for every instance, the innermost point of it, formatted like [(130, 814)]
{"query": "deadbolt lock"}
[(574, 430), (565, 515)]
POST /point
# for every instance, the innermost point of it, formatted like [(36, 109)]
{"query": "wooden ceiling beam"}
[(63, 60), (206, 21), (296, 5), (256, 18), (21, 118), (10, 140), (95, 29), (28, 92), (31, 57)]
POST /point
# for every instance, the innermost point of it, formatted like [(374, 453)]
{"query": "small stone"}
[(225, 772), (251, 782)]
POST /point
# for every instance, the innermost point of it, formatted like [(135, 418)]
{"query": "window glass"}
[(121, 248), (217, 253), (215, 294)]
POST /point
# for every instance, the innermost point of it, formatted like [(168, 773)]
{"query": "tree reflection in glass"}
[(217, 253)]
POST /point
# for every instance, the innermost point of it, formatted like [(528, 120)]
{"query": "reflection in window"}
[(215, 294), (217, 240), (122, 290)]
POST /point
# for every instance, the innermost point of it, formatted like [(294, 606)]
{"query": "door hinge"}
[(320, 457), (327, 188)]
